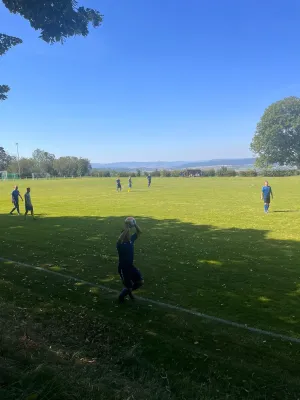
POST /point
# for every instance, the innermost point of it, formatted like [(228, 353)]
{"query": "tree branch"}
[(3, 90)]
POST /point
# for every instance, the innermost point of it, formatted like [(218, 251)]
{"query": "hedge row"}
[(221, 172)]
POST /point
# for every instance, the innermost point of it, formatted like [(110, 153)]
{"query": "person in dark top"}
[(149, 177), (119, 186), (266, 194), (15, 200), (131, 277)]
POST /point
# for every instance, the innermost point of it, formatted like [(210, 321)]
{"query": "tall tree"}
[(57, 20), (277, 136), (83, 166), (4, 159), (43, 161), (27, 166)]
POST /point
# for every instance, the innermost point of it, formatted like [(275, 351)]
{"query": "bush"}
[(224, 171), (209, 172), (176, 173), (165, 173), (100, 173), (247, 173), (279, 172), (155, 173)]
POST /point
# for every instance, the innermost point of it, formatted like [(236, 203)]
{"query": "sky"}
[(159, 80)]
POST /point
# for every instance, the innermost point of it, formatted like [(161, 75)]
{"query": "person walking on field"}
[(266, 194), (28, 204), (15, 200)]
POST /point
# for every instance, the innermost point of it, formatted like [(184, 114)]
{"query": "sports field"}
[(206, 246)]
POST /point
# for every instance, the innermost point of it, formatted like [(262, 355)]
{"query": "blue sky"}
[(159, 80)]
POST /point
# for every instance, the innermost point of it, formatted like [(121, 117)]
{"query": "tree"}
[(27, 166), (4, 159), (224, 171), (57, 20), (43, 161), (277, 136), (83, 167), (6, 42)]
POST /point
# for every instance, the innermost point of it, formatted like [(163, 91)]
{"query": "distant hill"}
[(236, 162), (151, 166)]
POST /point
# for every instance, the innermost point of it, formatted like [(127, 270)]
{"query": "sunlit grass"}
[(206, 245)]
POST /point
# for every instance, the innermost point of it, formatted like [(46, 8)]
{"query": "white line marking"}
[(165, 305)]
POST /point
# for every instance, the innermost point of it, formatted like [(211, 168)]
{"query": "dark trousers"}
[(16, 207)]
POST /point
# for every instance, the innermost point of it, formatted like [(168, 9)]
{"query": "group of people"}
[(119, 185), (130, 275), (15, 196)]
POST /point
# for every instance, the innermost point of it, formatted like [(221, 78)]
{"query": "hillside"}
[(150, 166)]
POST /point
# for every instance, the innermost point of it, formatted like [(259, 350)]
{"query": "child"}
[(266, 194), (28, 204), (131, 277)]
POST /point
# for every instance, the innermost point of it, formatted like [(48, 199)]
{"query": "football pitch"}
[(207, 247)]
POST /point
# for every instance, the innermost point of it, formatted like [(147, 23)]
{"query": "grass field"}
[(207, 246)]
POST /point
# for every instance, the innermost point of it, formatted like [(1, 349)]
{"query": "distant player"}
[(28, 204), (119, 186), (266, 194), (15, 200), (129, 184), (130, 275), (149, 177)]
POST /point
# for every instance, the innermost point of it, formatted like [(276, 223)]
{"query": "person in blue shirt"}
[(15, 200), (266, 194), (119, 186), (149, 180), (131, 277)]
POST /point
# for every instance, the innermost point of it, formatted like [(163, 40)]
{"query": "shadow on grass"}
[(286, 211), (230, 273)]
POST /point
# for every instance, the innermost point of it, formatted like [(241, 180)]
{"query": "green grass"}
[(207, 246)]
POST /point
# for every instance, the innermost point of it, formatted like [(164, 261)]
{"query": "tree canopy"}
[(43, 163), (4, 159), (277, 136), (57, 20)]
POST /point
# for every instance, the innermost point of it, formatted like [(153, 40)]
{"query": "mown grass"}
[(206, 245)]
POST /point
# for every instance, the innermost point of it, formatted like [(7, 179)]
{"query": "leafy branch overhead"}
[(4, 89), (57, 20), (6, 42)]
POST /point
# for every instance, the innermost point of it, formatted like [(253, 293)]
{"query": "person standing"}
[(15, 200), (149, 180), (119, 186), (266, 194), (28, 204), (129, 184), (131, 277)]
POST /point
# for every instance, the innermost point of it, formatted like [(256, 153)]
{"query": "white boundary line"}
[(164, 305)]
